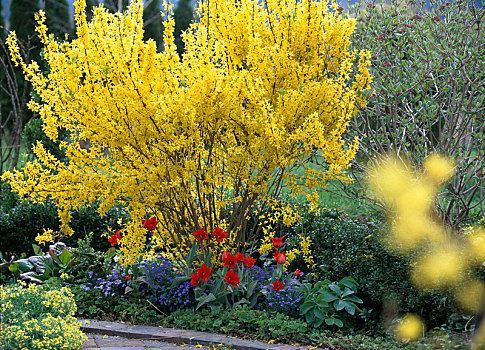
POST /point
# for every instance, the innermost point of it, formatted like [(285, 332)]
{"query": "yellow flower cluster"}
[(198, 141), (46, 237), (36, 318)]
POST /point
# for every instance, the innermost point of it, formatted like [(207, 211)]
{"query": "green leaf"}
[(318, 323), (354, 299), (347, 292), (328, 297), (241, 302), (179, 280), (252, 285), (334, 321), (111, 252), (37, 249), (318, 313), (24, 265), (128, 289), (192, 252), (205, 299), (334, 288), (340, 305), (65, 257), (306, 308), (350, 308), (14, 268), (207, 260)]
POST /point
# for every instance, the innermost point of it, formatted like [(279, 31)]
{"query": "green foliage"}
[(89, 8), (152, 20), (241, 321), (114, 5), (23, 23), (183, 16), (21, 221), (2, 21), (329, 302), (346, 246), (34, 133), (58, 19)]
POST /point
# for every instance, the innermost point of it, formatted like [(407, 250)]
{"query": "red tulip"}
[(150, 224), (249, 262), (232, 278), (204, 272), (201, 234), (114, 239), (194, 279), (279, 257), (277, 242), (228, 259), (277, 285), (219, 234)]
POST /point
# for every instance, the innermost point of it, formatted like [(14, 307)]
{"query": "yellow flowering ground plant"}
[(198, 141), (36, 318)]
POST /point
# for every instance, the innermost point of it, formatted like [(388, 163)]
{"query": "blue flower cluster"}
[(287, 300), (113, 284), (161, 274)]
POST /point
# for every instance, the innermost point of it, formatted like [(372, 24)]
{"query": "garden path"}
[(121, 336), (108, 342)]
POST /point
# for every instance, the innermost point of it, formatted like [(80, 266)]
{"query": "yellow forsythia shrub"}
[(36, 318), (263, 88)]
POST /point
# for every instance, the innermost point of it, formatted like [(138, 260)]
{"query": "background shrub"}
[(428, 69), (21, 221), (346, 246)]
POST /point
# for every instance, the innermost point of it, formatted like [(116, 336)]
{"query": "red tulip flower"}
[(228, 259), (220, 234), (238, 257), (201, 234), (277, 285), (114, 239), (232, 278), (128, 277), (204, 272), (280, 257), (150, 224), (249, 262), (297, 272), (194, 279), (277, 242)]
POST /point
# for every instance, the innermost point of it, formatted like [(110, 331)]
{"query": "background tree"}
[(2, 21), (23, 23), (116, 5), (152, 21), (58, 19), (429, 80), (89, 8), (183, 16)]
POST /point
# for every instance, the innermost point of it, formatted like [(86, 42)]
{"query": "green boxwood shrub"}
[(346, 246), (21, 221)]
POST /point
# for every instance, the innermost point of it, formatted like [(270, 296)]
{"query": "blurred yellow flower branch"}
[(443, 260)]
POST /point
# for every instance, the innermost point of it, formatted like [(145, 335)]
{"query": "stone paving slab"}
[(137, 336), (105, 342)]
